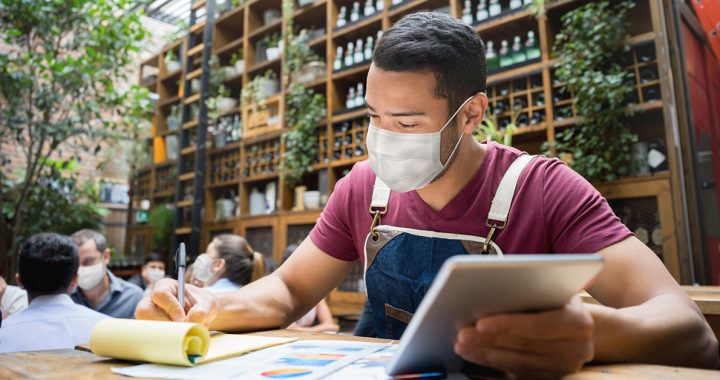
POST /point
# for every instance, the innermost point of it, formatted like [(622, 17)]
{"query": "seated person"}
[(190, 278), (47, 269), (152, 270), (98, 288), (228, 264), (319, 318), (12, 299)]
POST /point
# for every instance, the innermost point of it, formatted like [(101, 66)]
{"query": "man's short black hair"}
[(153, 256), (47, 263), (438, 43)]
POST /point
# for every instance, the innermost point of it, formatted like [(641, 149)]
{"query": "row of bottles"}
[(262, 159), (349, 139), (519, 53), (371, 7), (357, 53), (484, 11), (355, 97)]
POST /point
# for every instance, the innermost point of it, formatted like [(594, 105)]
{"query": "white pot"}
[(305, 2), (271, 87), (240, 66), (226, 104), (272, 53), (229, 71), (312, 199), (172, 66), (257, 202)]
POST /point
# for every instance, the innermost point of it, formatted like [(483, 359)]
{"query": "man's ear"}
[(17, 279), (217, 265), (475, 111), (106, 256), (73, 282)]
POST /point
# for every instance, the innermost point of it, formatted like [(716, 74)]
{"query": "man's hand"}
[(546, 344), (201, 306)]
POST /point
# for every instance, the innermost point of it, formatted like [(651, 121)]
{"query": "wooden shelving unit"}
[(234, 168)]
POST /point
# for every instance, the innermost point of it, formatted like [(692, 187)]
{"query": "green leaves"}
[(591, 38)]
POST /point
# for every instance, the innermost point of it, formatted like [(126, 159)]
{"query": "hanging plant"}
[(587, 47), (305, 108), (489, 131)]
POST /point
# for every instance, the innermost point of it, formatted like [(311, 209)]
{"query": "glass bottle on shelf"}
[(515, 4), (500, 107), (358, 56), (481, 13), (355, 13), (349, 54), (651, 93), (369, 47), (537, 118), (379, 36), (532, 51), (360, 95), (505, 58), (467, 18), (518, 53), (519, 103), (397, 2), (350, 102), (338, 63), (495, 8), (648, 74), (369, 8), (342, 17), (540, 99), (491, 56), (527, 2), (379, 5), (522, 120)]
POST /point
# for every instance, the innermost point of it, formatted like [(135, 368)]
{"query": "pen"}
[(180, 261)]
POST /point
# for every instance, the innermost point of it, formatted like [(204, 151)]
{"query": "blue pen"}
[(180, 261), (426, 375)]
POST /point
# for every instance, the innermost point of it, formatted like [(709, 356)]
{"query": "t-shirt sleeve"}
[(332, 232), (578, 217)]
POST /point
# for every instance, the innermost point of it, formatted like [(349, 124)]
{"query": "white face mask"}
[(90, 276), (201, 268), (155, 274), (407, 161)]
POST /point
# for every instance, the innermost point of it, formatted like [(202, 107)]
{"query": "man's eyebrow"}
[(398, 114)]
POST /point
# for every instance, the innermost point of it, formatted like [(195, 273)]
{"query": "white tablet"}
[(468, 287)]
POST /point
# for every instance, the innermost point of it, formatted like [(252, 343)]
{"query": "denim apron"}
[(401, 263)]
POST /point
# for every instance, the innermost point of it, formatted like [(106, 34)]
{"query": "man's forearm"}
[(263, 304), (657, 332)]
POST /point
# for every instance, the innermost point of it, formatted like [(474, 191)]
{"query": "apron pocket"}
[(396, 320)]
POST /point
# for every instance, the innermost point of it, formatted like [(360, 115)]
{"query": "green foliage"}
[(57, 203), (253, 93), (63, 90), (237, 56), (488, 130), (161, 220), (305, 108), (537, 8), (587, 46), (272, 40)]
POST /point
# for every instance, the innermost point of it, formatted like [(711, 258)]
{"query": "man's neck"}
[(469, 157), (98, 293)]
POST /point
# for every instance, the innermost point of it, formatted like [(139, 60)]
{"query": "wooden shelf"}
[(362, 112), (309, 8), (231, 46), (197, 49), (186, 176), (183, 231), (190, 124), (171, 75), (502, 20), (354, 70), (167, 102), (194, 74), (197, 27), (184, 204), (643, 107), (358, 25), (260, 178), (198, 4), (265, 29), (264, 65), (519, 72)]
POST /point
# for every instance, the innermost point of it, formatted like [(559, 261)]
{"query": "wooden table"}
[(81, 365)]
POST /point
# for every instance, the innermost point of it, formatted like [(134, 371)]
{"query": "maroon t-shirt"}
[(554, 210)]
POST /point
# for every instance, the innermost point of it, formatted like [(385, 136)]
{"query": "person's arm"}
[(647, 318), (273, 301)]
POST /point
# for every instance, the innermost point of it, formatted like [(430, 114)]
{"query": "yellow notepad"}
[(176, 343)]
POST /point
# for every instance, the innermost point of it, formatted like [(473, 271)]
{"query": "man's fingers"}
[(560, 348), (147, 310), (569, 322), (166, 299)]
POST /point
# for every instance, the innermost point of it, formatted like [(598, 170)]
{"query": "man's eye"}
[(371, 116), (408, 125)]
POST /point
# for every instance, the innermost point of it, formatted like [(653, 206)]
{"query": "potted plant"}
[(161, 223), (272, 49), (172, 63), (224, 102), (236, 59)]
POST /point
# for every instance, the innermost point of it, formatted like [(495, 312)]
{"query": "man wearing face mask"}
[(98, 288), (152, 270), (430, 191)]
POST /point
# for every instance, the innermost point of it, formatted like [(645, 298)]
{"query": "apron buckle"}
[(488, 239), (377, 220)]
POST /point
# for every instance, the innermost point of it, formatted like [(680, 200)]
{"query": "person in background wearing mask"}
[(228, 263), (47, 269), (12, 299), (152, 271), (98, 288), (427, 185)]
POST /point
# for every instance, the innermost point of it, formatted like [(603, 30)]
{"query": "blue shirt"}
[(120, 302), (50, 322), (223, 285)]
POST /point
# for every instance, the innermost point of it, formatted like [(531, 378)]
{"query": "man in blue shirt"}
[(98, 288), (47, 269)]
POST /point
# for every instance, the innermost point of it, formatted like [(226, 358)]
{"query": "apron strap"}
[(379, 204), (500, 207)]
